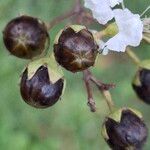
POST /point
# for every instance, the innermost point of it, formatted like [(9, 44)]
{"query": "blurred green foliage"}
[(69, 125)]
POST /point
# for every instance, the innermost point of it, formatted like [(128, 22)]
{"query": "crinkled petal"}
[(101, 10), (113, 3), (102, 48), (116, 43), (130, 25), (105, 51), (103, 15), (89, 3), (130, 31)]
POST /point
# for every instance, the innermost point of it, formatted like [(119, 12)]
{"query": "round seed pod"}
[(141, 82), (41, 84), (125, 129), (26, 37), (75, 48)]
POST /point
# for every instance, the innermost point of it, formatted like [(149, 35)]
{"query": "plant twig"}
[(122, 5), (104, 88), (147, 39), (91, 102), (106, 94), (133, 56), (145, 11), (77, 8)]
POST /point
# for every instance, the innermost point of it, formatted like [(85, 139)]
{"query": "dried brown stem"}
[(104, 88), (77, 8), (91, 102), (98, 83)]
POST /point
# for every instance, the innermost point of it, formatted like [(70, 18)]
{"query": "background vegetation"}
[(69, 125)]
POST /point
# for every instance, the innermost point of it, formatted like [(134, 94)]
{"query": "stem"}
[(75, 10), (122, 5), (108, 99), (101, 85), (146, 39), (145, 11), (133, 56), (99, 35), (91, 102), (104, 88)]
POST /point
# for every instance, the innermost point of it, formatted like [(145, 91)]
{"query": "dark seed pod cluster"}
[(26, 37), (125, 129), (40, 85), (42, 82), (141, 82), (75, 48)]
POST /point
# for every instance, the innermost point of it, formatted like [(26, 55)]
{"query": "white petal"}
[(105, 51), (114, 2), (103, 15), (130, 31), (102, 48), (91, 3), (130, 25), (117, 43), (101, 10)]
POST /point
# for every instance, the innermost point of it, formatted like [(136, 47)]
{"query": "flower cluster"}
[(129, 25)]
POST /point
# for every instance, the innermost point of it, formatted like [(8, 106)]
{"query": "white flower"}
[(101, 9), (130, 31), (113, 3)]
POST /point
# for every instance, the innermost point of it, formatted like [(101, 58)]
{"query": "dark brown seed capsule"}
[(129, 133), (143, 88), (75, 49), (38, 91), (26, 37)]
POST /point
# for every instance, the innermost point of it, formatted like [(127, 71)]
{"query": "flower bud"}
[(26, 37), (42, 83), (75, 48), (125, 129), (111, 30), (141, 82)]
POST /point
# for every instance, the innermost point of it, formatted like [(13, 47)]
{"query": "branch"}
[(106, 94), (104, 88), (77, 8), (91, 102)]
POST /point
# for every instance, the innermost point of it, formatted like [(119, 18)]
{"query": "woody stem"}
[(104, 88), (77, 8)]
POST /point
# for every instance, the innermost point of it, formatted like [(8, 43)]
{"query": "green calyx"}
[(116, 116), (57, 36), (76, 28), (142, 65), (104, 132), (136, 80), (111, 29), (54, 71)]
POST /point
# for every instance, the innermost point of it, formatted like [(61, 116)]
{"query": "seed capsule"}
[(125, 129), (41, 86), (141, 82), (26, 37), (75, 48)]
